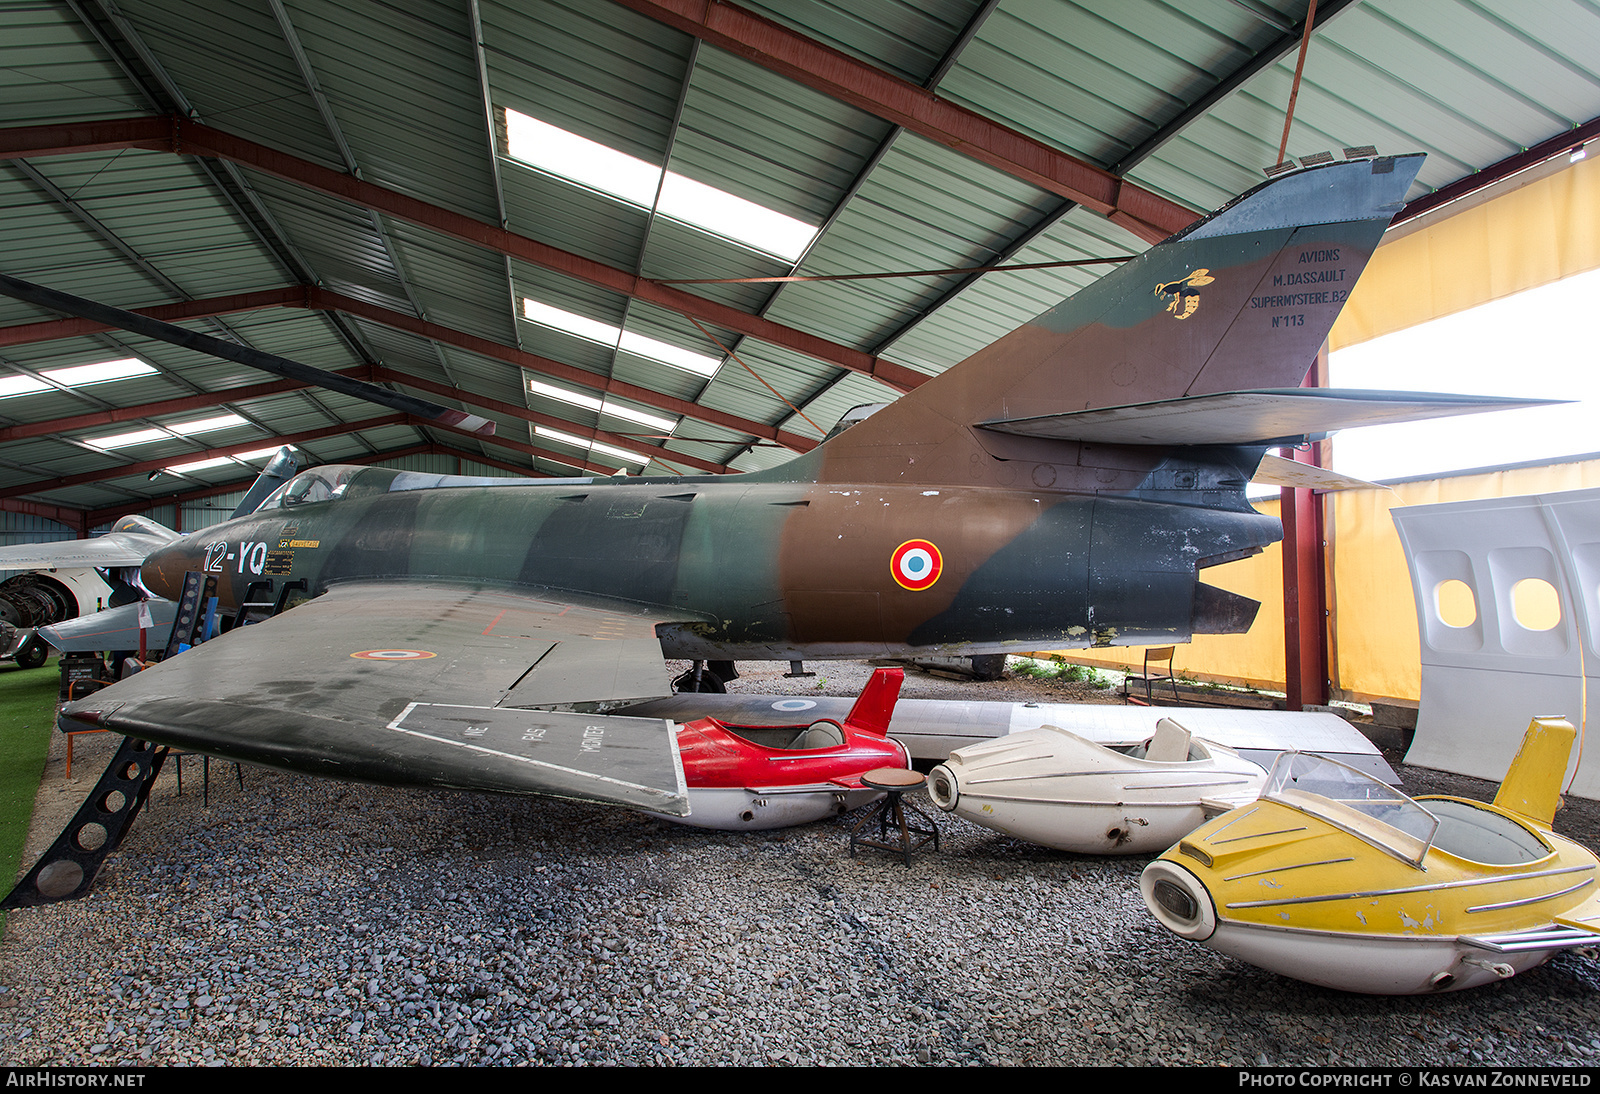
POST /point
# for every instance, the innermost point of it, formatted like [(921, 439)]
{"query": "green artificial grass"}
[(27, 718)]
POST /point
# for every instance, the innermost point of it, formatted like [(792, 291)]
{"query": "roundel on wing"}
[(916, 564), (393, 655)]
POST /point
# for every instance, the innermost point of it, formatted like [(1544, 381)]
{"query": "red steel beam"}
[(155, 133), (309, 296), (529, 450), (1557, 145), (73, 518), (183, 137), (840, 76), (321, 298), (384, 375), (1305, 591), (146, 466)]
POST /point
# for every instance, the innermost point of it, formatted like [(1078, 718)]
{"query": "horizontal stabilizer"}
[(1272, 416), (1277, 471)]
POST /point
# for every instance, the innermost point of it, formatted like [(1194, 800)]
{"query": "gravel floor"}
[(305, 921)]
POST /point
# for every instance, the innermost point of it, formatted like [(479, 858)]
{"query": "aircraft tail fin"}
[(1532, 786), (1213, 328), (875, 705), (279, 470)]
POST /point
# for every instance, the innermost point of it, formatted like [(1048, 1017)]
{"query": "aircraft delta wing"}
[(129, 542), (970, 516), (418, 684)]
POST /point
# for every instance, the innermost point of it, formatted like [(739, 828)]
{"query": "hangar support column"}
[(1305, 593)]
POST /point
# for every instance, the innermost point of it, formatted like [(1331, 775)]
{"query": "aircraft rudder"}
[(875, 705), (1532, 786)]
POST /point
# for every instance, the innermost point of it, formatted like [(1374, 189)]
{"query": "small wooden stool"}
[(912, 828)]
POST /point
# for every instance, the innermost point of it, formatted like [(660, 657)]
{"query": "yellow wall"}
[(1531, 236), (1373, 648)]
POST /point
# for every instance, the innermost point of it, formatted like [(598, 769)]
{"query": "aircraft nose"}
[(162, 573), (1178, 900), (944, 788)]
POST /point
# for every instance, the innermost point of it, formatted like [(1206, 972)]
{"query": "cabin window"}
[(1455, 604)]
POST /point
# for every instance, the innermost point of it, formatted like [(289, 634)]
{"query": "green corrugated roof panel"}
[(658, 377), (234, 69), (51, 69), (679, 250), (767, 139), (1081, 79), (454, 283), (600, 71), (403, 86), (905, 39), (1000, 302)]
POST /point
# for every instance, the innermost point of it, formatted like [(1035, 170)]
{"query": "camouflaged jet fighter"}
[(1062, 487)]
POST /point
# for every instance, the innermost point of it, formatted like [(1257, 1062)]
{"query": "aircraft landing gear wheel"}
[(700, 679), (32, 654)]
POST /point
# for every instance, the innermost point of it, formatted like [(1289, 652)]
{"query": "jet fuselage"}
[(762, 569)]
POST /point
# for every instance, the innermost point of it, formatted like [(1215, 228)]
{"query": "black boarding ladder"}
[(68, 869)]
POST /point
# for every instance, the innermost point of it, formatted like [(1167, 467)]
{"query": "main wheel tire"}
[(708, 683), (32, 654)]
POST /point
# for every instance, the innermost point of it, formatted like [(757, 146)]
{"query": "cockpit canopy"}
[(1354, 801), (318, 484)]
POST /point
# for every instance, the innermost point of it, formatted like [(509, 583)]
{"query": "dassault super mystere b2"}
[(1062, 487)]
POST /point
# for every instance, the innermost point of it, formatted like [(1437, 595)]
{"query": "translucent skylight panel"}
[(640, 417), (602, 406), (199, 465), (578, 159), (619, 453), (99, 372), (218, 461), (571, 322), (124, 440), (593, 446), (628, 178), (75, 376), (588, 402), (206, 425), (21, 385), (184, 429), (607, 335), (723, 214), (668, 354)]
